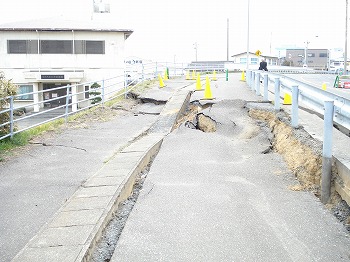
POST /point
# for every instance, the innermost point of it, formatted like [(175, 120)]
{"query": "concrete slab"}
[(110, 170), (144, 143), (55, 254), (96, 191), (103, 181), (62, 236), (76, 218), (87, 203)]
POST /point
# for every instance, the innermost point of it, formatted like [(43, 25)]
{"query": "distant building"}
[(254, 60), (315, 58), (42, 54)]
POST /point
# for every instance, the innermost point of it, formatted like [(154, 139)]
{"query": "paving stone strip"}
[(78, 225)]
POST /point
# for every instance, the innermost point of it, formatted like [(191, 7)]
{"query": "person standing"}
[(263, 65)]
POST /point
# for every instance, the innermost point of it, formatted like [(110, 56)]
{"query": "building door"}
[(58, 95)]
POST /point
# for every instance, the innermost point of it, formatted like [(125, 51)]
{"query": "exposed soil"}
[(303, 155)]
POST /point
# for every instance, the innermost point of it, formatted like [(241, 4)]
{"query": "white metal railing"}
[(76, 98), (311, 96), (334, 108)]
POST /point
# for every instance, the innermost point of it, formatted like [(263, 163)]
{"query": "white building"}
[(42, 54)]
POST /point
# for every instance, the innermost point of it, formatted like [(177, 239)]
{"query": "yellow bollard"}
[(187, 75), (193, 74), (243, 76), (214, 76), (198, 83), (207, 91), (161, 83), (287, 100), (324, 86)]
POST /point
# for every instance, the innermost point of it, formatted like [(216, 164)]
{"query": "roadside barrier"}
[(334, 108), (207, 91), (214, 78), (198, 82), (243, 76), (161, 82)]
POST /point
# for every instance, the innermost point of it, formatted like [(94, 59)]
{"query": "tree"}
[(7, 88), (96, 98)]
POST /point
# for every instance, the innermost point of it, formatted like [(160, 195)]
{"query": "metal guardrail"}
[(309, 95), (334, 108)]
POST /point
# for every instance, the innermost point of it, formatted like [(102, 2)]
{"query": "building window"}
[(323, 55), (243, 60), (26, 90), (311, 54), (89, 47), (95, 47), (22, 46), (254, 61), (56, 46)]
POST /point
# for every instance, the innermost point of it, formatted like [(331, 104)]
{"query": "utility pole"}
[(248, 36), (195, 45), (228, 40), (346, 37)]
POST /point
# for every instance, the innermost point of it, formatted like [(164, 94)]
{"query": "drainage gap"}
[(106, 246)]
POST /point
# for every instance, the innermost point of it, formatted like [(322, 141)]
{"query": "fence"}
[(334, 108), (62, 101)]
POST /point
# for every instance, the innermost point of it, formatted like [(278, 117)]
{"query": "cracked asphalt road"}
[(217, 197)]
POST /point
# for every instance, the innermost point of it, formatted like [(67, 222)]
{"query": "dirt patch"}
[(304, 161), (102, 113), (189, 115), (192, 118), (205, 123)]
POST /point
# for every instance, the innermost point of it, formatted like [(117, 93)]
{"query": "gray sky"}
[(167, 30)]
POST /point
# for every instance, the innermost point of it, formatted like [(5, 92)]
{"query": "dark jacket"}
[(263, 66)]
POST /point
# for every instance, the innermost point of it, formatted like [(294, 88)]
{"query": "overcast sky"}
[(167, 30)]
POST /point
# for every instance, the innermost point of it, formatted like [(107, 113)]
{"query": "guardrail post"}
[(295, 106), (67, 103), (253, 81), (277, 94), (156, 71), (125, 85), (257, 84), (327, 152), (266, 87), (103, 92), (74, 98), (248, 77), (11, 117)]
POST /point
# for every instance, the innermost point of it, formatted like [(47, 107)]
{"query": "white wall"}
[(94, 65)]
